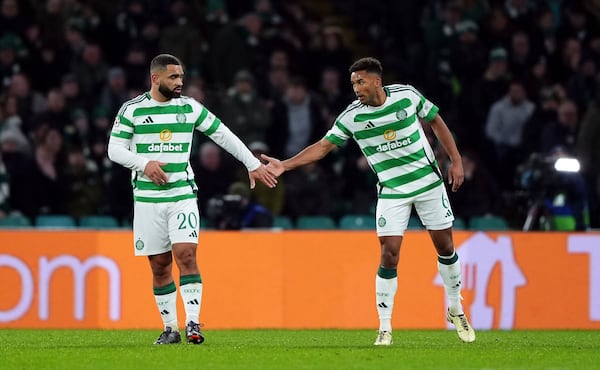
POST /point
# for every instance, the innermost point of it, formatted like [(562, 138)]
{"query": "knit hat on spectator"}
[(498, 54), (467, 26), (16, 137)]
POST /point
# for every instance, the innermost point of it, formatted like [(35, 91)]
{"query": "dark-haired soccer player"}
[(152, 135), (385, 121)]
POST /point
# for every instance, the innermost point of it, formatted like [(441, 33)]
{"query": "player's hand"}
[(456, 175), (274, 165), (155, 173), (261, 174)]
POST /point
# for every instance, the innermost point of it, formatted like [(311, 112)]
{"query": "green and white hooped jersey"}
[(163, 131), (393, 141)]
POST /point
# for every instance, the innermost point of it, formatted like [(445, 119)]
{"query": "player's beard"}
[(169, 94)]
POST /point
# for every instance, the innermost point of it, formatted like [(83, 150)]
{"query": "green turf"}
[(299, 349)]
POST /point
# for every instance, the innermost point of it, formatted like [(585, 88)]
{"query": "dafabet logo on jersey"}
[(390, 135), (166, 148)]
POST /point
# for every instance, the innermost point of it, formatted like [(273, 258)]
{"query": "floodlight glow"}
[(567, 165)]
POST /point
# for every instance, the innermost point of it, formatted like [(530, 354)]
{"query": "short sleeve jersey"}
[(393, 141), (163, 131)]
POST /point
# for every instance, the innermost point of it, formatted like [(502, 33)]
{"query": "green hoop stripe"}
[(386, 273), (157, 128), (412, 194), (167, 289), (189, 279), (448, 261), (147, 185), (393, 108), (122, 135), (168, 109), (164, 199)]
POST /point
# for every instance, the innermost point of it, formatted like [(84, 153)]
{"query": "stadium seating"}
[(315, 223), (283, 222), (459, 224), (55, 221), (357, 222), (98, 222), (482, 223), (14, 222)]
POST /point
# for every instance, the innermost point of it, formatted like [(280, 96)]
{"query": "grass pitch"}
[(299, 349)]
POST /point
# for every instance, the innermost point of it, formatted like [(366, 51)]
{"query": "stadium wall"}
[(301, 279)]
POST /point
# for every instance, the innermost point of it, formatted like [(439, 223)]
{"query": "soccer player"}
[(152, 135), (385, 121)]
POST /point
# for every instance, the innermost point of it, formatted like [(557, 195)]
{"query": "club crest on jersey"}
[(165, 135), (401, 115), (180, 117)]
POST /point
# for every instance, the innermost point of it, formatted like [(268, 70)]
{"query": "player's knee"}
[(390, 256)]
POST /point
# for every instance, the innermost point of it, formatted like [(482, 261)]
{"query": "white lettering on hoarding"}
[(47, 267), (26, 288), (589, 244)]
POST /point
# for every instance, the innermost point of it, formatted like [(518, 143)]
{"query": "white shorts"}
[(157, 226), (432, 206)]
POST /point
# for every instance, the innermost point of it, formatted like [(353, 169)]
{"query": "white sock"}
[(450, 271), (166, 301), (190, 288), (385, 291)]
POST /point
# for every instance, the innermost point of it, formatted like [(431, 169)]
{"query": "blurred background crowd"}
[(517, 82)]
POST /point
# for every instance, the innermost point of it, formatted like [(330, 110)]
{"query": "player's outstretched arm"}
[(310, 154)]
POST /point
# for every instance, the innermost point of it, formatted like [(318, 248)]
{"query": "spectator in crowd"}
[(297, 120), (182, 37), (136, 62), (84, 186), (581, 87), (212, 172), (30, 101), (13, 18), (235, 48), (562, 132), (9, 115), (71, 92), (91, 71), (333, 98), (506, 121), (278, 82), (48, 172), (9, 62), (56, 113), (115, 91), (480, 195), (522, 55), (243, 111)]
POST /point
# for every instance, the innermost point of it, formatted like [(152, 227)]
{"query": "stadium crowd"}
[(514, 79)]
